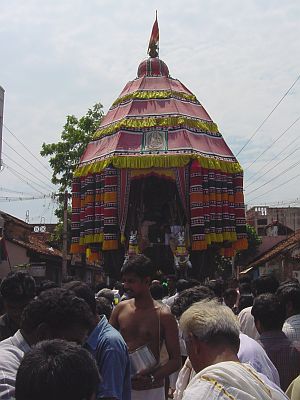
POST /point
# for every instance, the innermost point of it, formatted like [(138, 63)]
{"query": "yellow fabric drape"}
[(154, 122), (157, 161), (155, 94)]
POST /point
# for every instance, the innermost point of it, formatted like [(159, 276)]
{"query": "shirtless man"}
[(143, 321)]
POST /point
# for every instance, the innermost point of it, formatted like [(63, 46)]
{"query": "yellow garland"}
[(157, 161), (155, 94), (154, 122)]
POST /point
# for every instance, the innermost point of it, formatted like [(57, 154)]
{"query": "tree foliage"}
[(65, 154)]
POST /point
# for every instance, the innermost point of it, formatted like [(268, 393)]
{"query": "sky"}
[(239, 58)]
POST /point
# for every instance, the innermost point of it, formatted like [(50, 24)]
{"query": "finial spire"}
[(153, 47)]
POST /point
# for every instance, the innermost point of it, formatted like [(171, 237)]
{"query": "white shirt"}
[(247, 325), (231, 380), (250, 352), (170, 300), (12, 351), (291, 327)]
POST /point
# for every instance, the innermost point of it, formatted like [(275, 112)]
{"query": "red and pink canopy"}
[(157, 126)]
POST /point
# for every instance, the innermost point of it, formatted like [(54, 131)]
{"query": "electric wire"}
[(29, 151), (268, 116), (271, 190), (44, 185), (273, 142), (275, 177), (274, 166), (23, 178), (28, 162), (3, 189), (276, 156), (13, 198)]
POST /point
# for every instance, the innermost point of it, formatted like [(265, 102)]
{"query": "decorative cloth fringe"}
[(157, 161), (155, 94), (158, 121)]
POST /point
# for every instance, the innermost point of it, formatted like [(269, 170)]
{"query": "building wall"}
[(16, 255), (259, 217)]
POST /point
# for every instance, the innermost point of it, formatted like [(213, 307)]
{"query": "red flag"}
[(154, 39)]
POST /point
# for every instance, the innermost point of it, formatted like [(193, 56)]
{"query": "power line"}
[(272, 144), (9, 199), (275, 177), (280, 185), (20, 155), (45, 186), (276, 156), (268, 116), (274, 166), (22, 178), (3, 189), (29, 151)]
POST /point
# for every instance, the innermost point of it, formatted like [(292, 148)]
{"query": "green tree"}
[(244, 257), (65, 155)]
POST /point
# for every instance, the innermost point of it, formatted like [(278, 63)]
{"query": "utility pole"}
[(64, 269)]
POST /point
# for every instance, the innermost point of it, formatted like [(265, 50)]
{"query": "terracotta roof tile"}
[(37, 245), (280, 247)]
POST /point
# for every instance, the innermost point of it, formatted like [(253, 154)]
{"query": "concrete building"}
[(272, 221)]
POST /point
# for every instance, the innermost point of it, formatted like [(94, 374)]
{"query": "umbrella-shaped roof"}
[(156, 122)]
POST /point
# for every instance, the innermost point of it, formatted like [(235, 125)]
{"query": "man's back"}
[(231, 380), (284, 354), (110, 351)]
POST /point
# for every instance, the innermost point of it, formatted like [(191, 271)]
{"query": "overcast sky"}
[(239, 58)]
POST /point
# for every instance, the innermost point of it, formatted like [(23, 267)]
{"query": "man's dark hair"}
[(188, 297), (157, 291), (245, 300), (119, 286), (192, 282), (58, 308), (104, 307), (230, 293), (268, 310), (57, 370), (46, 285), (107, 293), (245, 288), (181, 285), (217, 286), (83, 291), (265, 284), (138, 265), (289, 292), (18, 287)]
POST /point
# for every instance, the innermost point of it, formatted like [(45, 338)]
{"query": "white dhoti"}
[(150, 394)]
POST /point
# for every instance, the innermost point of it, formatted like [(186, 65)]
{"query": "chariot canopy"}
[(157, 156)]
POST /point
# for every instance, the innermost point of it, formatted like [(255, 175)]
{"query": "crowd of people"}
[(149, 338)]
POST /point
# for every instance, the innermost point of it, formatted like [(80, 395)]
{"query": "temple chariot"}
[(159, 179)]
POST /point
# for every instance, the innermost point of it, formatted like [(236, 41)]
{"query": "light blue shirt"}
[(111, 353), (12, 351)]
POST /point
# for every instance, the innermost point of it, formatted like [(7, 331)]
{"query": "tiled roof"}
[(279, 248), (34, 244)]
